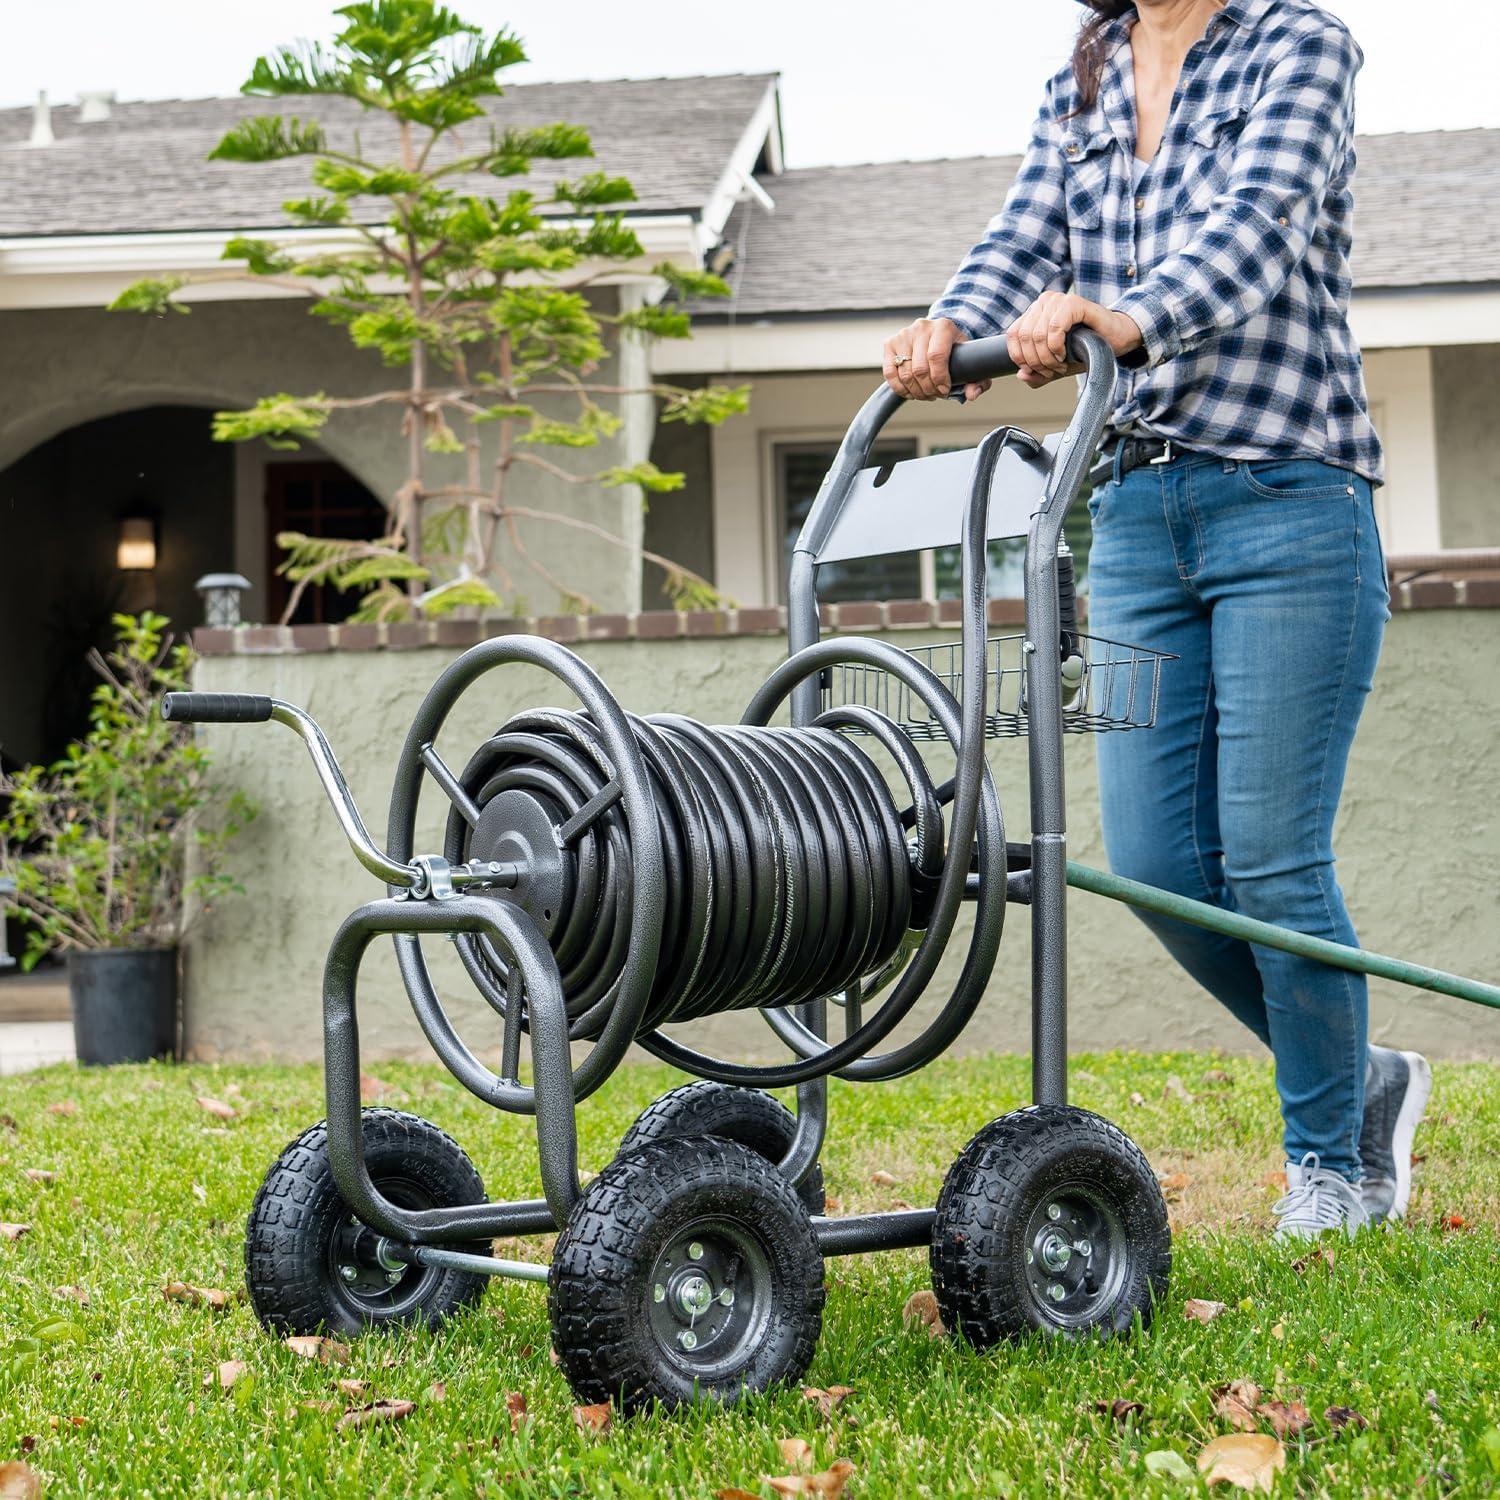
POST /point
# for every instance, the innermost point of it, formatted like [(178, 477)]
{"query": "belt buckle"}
[(1167, 454)]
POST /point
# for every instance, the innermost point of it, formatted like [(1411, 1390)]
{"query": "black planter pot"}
[(124, 1004)]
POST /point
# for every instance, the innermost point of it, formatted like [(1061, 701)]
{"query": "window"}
[(800, 468), (317, 499)]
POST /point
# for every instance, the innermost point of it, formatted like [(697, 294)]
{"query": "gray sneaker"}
[(1397, 1086), (1316, 1201)]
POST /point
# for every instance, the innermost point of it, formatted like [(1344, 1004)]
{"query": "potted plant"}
[(97, 846)]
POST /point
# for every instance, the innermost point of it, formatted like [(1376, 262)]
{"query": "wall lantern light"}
[(135, 552), (220, 593)]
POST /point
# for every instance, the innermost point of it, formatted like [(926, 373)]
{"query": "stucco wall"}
[(75, 364), (1417, 837)]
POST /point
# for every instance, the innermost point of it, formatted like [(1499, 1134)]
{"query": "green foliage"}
[(461, 593), (270, 138), (646, 475), (479, 295), (97, 842), (708, 403), (279, 419), (152, 295)]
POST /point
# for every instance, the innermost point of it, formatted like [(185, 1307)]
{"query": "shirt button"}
[(1130, 272), (1282, 222), (1140, 203)]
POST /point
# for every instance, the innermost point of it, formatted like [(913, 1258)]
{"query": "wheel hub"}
[(708, 1296), (1075, 1256)]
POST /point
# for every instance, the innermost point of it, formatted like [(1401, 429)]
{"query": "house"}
[(106, 457)]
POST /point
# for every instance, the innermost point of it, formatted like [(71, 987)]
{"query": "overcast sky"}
[(866, 81)]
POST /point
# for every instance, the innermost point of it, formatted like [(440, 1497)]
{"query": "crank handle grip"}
[(216, 708)]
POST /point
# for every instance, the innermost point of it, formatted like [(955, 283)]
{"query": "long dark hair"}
[(1088, 50)]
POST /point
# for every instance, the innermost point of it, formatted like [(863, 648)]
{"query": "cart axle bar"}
[(1268, 935)]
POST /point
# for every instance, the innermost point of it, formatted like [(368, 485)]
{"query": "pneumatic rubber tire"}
[(297, 1240), (688, 1271), (749, 1116), (1051, 1220)]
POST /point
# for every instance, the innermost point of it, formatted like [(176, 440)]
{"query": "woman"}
[(1186, 194)]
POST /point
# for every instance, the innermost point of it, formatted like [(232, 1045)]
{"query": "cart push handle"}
[(989, 359)]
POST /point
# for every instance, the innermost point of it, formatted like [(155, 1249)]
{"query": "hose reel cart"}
[(604, 875)]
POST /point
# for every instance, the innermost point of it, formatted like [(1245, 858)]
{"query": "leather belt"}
[(1135, 451)]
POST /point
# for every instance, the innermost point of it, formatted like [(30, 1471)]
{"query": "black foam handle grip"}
[(987, 359), (216, 708)]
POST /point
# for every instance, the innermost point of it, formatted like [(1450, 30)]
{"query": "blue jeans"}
[(1267, 580)]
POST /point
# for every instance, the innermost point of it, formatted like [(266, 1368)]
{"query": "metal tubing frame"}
[(1048, 876), (556, 1123)]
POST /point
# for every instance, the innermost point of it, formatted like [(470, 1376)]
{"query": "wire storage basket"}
[(1117, 688)]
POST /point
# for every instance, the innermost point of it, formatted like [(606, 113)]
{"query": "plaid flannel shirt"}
[(1232, 254)]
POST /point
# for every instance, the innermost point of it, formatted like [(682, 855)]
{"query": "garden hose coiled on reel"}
[(677, 870), (788, 874)]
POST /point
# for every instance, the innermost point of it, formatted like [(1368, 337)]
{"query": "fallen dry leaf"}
[(1176, 1088), (1287, 1418), (39, 1174), (1237, 1403), (797, 1452), (833, 1205), (883, 1179), (55, 1422), (197, 1296), (27, 1443), (1339, 1417), (1120, 1410), (515, 1404), (1202, 1309), (63, 1107), (1453, 1221), (226, 1375), (1418, 1157), (315, 1346), (593, 1419), (1173, 1184), (921, 1310), (828, 1401), (829, 1483), (1137, 1098), (1323, 1256), (352, 1387), (1248, 1461), (376, 1411), (13, 1231), (73, 1293), (1217, 1076), (216, 1107), (8, 1122), (371, 1087), (1276, 1179), (19, 1481), (437, 1391)]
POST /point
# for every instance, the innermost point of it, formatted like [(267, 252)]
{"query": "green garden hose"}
[(1232, 924)]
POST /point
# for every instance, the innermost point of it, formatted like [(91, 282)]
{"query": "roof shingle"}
[(145, 169), (888, 235)]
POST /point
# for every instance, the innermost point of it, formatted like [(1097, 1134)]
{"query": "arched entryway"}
[(205, 507)]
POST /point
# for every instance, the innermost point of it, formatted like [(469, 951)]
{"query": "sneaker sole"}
[(1413, 1107)]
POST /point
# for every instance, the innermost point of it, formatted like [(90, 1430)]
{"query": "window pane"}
[(800, 470), (1007, 558)]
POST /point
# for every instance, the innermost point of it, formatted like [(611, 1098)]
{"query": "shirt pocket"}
[(1086, 159), (1208, 159)]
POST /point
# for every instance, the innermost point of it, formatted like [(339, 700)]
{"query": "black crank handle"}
[(216, 708)]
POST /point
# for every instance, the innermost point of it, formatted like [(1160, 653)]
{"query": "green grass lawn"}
[(108, 1397)]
